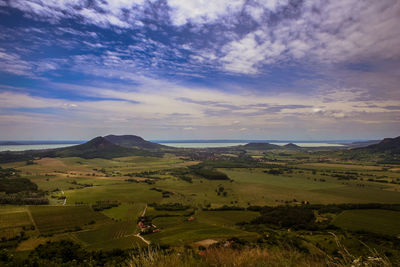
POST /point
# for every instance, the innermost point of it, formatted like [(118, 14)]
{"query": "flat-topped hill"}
[(261, 146), (132, 141)]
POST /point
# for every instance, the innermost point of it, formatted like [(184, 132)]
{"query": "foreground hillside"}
[(285, 206), (68, 254)]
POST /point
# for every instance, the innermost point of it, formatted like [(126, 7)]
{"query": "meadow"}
[(376, 221)]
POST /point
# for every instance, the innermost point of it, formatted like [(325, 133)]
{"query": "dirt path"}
[(32, 220), (138, 234), (144, 211), (65, 199), (144, 240)]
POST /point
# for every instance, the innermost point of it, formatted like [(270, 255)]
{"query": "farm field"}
[(55, 219), (179, 231), (258, 187), (100, 203), (13, 220), (376, 221), (111, 236)]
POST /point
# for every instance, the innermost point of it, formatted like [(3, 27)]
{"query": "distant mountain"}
[(387, 145), (133, 141), (361, 143), (291, 146), (98, 147), (9, 143), (386, 151), (260, 146)]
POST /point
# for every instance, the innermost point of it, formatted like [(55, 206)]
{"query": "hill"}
[(386, 151), (387, 145), (260, 146), (98, 147), (9, 143), (291, 146), (132, 141), (361, 144)]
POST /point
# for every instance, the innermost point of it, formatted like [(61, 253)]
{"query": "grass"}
[(179, 231), (56, 219), (342, 166), (116, 227), (227, 257), (127, 242), (125, 211), (375, 221), (111, 236), (126, 192), (227, 218), (14, 216), (260, 188), (13, 220)]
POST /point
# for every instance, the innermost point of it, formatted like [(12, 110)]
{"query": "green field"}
[(126, 192), (110, 236), (227, 218), (180, 231), (259, 188), (56, 219), (135, 183), (125, 211), (13, 220), (376, 221)]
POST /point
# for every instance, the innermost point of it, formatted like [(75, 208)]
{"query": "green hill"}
[(386, 151), (133, 141), (98, 147), (291, 146), (261, 146), (391, 145)]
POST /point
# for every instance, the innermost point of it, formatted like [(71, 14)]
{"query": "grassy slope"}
[(377, 221)]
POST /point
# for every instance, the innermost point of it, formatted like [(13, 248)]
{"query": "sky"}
[(197, 69)]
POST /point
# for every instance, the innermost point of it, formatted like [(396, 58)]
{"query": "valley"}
[(181, 198)]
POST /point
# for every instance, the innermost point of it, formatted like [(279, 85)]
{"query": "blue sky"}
[(195, 69)]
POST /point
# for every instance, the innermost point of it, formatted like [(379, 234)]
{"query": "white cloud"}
[(202, 11), (244, 55), (54, 10), (323, 32), (12, 63), (210, 113)]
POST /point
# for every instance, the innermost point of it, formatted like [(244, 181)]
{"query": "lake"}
[(32, 147), (214, 144), (181, 144)]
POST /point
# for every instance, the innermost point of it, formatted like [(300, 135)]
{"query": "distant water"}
[(201, 145), (226, 144), (309, 144), (32, 147)]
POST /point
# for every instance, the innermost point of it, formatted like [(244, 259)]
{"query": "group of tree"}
[(18, 190), (105, 204), (169, 206), (65, 253)]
